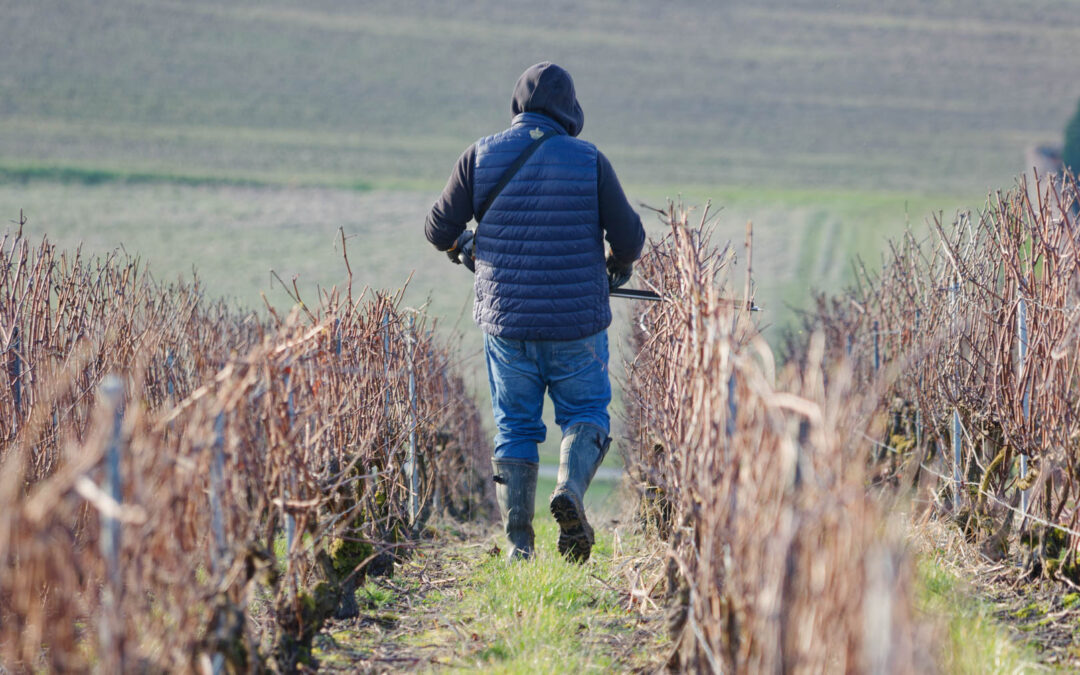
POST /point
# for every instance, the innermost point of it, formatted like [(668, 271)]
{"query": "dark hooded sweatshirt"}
[(540, 271)]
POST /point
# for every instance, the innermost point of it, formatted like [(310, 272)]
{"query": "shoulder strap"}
[(508, 174)]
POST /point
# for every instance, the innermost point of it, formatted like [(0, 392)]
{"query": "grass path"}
[(459, 604), (985, 618)]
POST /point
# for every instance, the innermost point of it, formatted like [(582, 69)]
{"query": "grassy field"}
[(238, 137), (940, 97), (234, 236)]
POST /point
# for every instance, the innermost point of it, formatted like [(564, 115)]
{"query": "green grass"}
[(457, 604), (974, 642), (96, 175), (533, 615), (739, 93), (234, 234), (807, 240), (547, 615), (374, 596)]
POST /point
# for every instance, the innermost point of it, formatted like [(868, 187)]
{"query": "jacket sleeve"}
[(454, 207), (621, 224)]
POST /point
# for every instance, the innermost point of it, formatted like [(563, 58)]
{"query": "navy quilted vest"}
[(540, 271)]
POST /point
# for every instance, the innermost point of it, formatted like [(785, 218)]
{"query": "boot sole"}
[(575, 534)]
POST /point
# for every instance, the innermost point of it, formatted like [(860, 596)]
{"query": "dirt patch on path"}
[(396, 611)]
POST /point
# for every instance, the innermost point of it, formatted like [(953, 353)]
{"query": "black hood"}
[(548, 89)]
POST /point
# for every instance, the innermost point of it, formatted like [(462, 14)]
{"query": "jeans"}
[(573, 372)]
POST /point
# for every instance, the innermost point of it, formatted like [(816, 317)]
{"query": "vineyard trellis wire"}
[(779, 560), (1005, 505), (990, 368), (245, 473)]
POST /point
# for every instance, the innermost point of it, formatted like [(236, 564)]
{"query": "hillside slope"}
[(940, 96)]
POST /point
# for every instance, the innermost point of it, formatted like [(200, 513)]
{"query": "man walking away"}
[(544, 201)]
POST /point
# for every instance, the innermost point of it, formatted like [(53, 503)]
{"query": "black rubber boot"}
[(583, 449), (515, 489)]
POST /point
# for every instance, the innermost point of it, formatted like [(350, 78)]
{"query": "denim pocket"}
[(506, 351), (574, 354)]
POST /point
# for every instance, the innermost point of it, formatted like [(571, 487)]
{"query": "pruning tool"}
[(636, 294)]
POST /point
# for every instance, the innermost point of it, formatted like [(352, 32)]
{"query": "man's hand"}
[(461, 253), (618, 273)]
